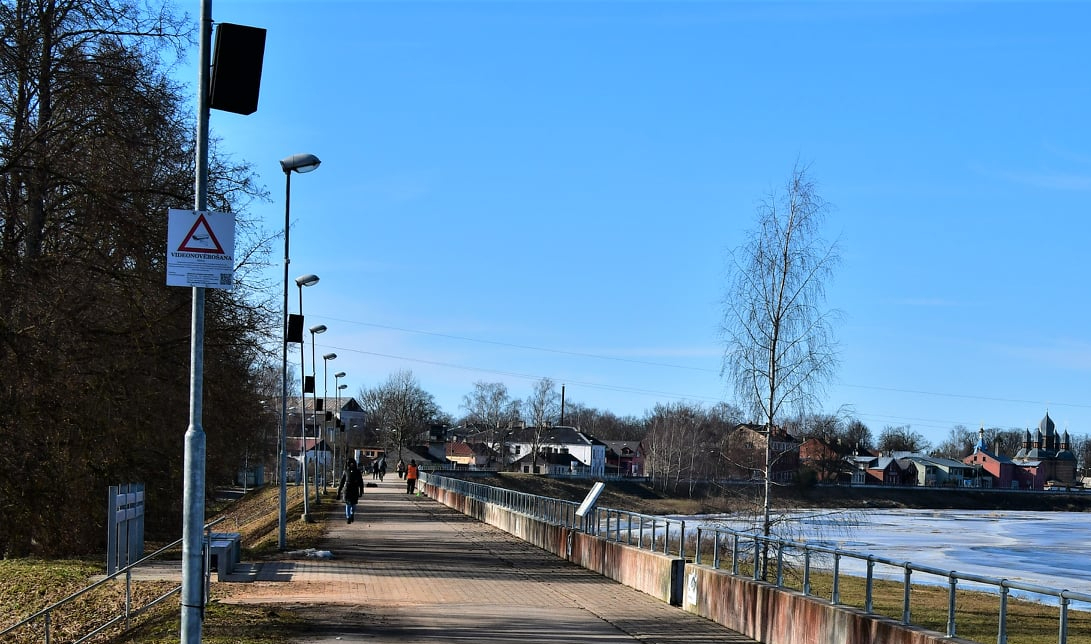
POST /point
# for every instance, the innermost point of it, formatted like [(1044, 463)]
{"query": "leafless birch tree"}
[(780, 349)]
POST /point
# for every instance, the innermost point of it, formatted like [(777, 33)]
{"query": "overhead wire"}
[(934, 423)]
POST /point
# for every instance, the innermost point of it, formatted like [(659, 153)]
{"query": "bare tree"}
[(780, 348), (959, 443), (96, 144), (857, 434), (490, 409), (541, 409), (902, 439), (400, 410)]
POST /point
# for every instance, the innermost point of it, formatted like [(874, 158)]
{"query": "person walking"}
[(401, 468), (411, 475), (351, 485), (382, 468)]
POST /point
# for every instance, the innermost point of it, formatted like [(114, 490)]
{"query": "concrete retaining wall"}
[(770, 614), (756, 609), (654, 573)]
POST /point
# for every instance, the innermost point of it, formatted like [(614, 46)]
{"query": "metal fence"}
[(44, 619), (645, 531), (668, 535), (746, 549)]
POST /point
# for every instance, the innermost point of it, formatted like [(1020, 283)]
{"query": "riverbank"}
[(639, 496)]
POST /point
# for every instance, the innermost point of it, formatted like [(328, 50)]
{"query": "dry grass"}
[(27, 586)]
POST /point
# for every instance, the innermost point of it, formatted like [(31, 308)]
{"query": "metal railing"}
[(128, 612), (668, 535), (644, 531), (746, 549)]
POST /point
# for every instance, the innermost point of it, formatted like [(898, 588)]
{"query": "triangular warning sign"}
[(201, 239)]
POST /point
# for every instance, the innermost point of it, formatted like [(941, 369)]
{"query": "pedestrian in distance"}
[(411, 475), (375, 469), (401, 468), (350, 487), (382, 468)]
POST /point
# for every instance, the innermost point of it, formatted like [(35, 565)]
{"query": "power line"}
[(650, 363), (531, 377)]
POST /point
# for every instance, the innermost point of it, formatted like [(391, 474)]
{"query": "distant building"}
[(1047, 458), (825, 458), (744, 451), (994, 470), (624, 458), (588, 451)]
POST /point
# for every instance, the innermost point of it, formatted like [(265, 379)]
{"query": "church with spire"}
[(1044, 460)]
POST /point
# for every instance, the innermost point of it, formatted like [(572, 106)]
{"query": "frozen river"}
[(1045, 548)]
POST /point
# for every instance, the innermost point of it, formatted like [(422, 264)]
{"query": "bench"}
[(225, 551)]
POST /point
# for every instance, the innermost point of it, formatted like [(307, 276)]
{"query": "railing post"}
[(1002, 626), (835, 597), (681, 539), (806, 571), (757, 572), (780, 564), (869, 585), (128, 596), (735, 553), (1062, 634), (905, 594), (952, 583), (716, 550)]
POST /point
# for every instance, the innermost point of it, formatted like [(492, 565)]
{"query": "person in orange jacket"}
[(411, 475)]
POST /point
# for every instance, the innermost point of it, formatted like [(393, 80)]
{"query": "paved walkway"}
[(410, 569)]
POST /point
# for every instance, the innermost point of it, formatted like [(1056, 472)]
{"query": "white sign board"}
[(200, 249), (590, 499)]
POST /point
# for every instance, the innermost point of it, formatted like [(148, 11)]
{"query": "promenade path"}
[(410, 569)]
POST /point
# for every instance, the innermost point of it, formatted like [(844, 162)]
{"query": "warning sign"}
[(200, 249)]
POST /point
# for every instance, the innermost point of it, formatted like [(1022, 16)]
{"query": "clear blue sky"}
[(512, 190)]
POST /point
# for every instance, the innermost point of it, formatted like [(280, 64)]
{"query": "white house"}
[(590, 452)]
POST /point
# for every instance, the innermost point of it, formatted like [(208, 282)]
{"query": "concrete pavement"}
[(412, 570)]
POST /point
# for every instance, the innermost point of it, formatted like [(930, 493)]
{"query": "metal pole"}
[(314, 415), (325, 427), (303, 417), (193, 494), (282, 522)]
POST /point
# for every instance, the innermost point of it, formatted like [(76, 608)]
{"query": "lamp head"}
[(318, 328), (306, 280), (300, 163), (329, 356), (342, 386), (339, 374)]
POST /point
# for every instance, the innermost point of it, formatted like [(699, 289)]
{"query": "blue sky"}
[(517, 190)]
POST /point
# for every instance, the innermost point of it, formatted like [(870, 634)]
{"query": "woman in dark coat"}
[(351, 485)]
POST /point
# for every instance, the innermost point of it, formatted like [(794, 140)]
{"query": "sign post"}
[(200, 249)]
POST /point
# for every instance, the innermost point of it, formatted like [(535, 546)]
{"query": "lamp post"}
[(337, 419), (301, 281), (315, 330), (325, 366), (300, 163)]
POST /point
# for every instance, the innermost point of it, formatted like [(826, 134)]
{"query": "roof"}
[(1046, 426), (459, 449), (558, 435), (622, 447), (551, 458)]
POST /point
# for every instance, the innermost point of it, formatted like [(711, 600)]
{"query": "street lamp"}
[(337, 419), (325, 372), (301, 281), (315, 330), (296, 163)]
